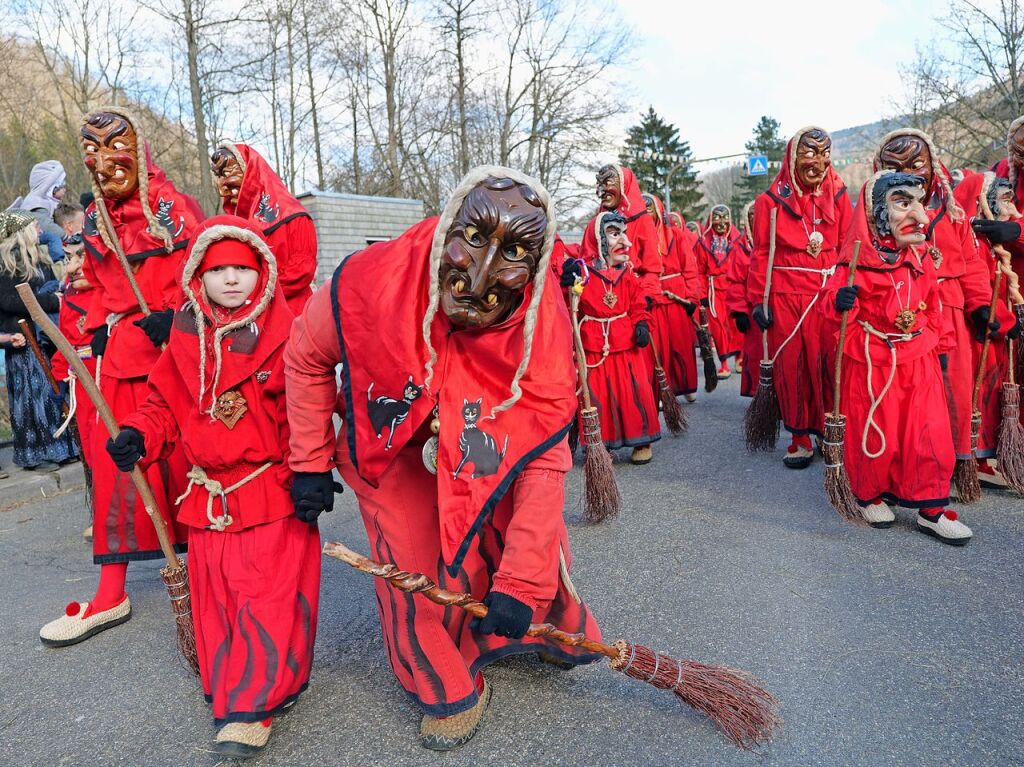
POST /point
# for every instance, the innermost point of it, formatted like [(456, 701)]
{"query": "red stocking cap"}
[(228, 252)]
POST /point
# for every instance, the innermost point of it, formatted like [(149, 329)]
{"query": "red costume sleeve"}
[(636, 300), (844, 215), (294, 247), (976, 281), (736, 295), (155, 418), (529, 562), (310, 360), (756, 275), (648, 263)]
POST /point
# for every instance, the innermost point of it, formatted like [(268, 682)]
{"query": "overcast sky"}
[(713, 68)]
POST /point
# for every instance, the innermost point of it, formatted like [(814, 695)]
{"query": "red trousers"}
[(432, 651), (799, 372), (753, 349), (122, 530), (672, 331), (723, 329), (959, 380), (990, 397), (916, 465), (255, 597), (620, 390)]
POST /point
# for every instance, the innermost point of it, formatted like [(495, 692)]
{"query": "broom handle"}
[(842, 331), (418, 583), (84, 378), (768, 277), (581, 357), (987, 342)]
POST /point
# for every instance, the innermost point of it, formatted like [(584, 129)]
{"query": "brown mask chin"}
[(227, 174), (813, 158), (111, 149), (491, 253), (908, 154), (609, 195), (720, 223)]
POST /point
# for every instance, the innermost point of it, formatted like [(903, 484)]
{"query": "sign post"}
[(757, 165)]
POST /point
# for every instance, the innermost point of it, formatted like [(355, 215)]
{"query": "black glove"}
[(648, 302), (99, 341), (944, 362), (763, 318), (997, 232), (704, 302), (982, 325), (1014, 333), (690, 307), (571, 269), (742, 321), (506, 617), (61, 394), (157, 326), (642, 334), (846, 296), (127, 449), (313, 492)]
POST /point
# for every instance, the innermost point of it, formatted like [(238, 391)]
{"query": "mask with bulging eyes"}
[(491, 253), (615, 242), (110, 146), (608, 192), (813, 158), (1001, 202), (720, 220), (898, 209), (227, 174), (908, 154)]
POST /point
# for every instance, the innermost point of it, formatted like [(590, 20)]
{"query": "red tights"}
[(110, 592)]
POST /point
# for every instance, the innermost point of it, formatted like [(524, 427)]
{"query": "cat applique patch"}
[(478, 447), (230, 407), (388, 413)]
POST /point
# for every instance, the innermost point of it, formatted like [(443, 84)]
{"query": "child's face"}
[(74, 259), (74, 224), (229, 286)]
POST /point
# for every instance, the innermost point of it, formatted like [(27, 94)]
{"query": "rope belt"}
[(890, 339), (72, 407), (711, 296), (606, 326), (197, 476), (825, 274), (670, 276)]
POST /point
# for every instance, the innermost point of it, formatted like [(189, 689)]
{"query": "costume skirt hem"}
[(802, 432), (907, 504), (256, 716), (136, 556), (638, 442)]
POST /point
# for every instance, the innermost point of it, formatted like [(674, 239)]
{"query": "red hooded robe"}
[(714, 256)]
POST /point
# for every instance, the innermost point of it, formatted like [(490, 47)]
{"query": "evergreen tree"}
[(765, 141), (652, 149)]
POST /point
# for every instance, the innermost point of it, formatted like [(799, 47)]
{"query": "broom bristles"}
[(761, 421), (708, 357), (965, 473), (675, 419), (734, 701), (176, 580), (1010, 445), (837, 481), (602, 497)]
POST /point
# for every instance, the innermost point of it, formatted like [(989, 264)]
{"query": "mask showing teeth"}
[(492, 299), (459, 285)]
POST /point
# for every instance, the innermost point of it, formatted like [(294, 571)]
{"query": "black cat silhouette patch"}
[(478, 447), (389, 413)]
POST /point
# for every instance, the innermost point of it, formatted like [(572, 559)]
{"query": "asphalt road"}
[(884, 646)]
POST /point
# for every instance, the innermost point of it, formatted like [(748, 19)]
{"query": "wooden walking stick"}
[(602, 492), (761, 422), (965, 475), (76, 436), (707, 354), (675, 417), (734, 701), (174, 573), (837, 481), (1010, 444)]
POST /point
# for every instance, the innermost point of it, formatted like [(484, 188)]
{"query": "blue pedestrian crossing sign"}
[(757, 165)]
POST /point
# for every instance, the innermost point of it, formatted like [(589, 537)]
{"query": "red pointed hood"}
[(263, 197)]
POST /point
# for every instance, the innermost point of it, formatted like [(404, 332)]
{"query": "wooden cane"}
[(842, 332), (768, 278), (44, 363), (581, 367), (985, 346)]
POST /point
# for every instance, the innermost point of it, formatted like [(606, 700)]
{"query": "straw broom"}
[(734, 701), (174, 573), (76, 436), (761, 421), (837, 481), (707, 354), (602, 492), (675, 419), (1010, 445)]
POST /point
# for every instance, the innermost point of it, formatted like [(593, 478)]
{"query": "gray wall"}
[(346, 223)]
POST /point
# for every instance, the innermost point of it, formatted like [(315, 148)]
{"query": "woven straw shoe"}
[(798, 457), (71, 628), (242, 740), (947, 528), (878, 515), (454, 731), (989, 476), (641, 455)]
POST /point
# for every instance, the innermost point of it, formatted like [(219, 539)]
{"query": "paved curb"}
[(28, 486)]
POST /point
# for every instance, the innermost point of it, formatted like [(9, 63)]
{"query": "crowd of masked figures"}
[(881, 336)]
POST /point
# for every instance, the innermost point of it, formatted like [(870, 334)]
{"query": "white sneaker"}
[(878, 515), (947, 528), (72, 628)]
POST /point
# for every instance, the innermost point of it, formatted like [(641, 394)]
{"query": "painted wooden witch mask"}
[(908, 154), (813, 158), (111, 148), (227, 174)]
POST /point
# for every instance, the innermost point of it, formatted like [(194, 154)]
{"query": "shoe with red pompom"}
[(800, 453), (989, 475), (77, 625), (945, 526), (724, 371)]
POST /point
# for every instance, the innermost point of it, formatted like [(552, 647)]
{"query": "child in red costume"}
[(739, 307), (812, 215), (250, 188), (254, 568), (614, 328), (716, 249), (898, 447), (455, 329), (964, 288), (137, 214)]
